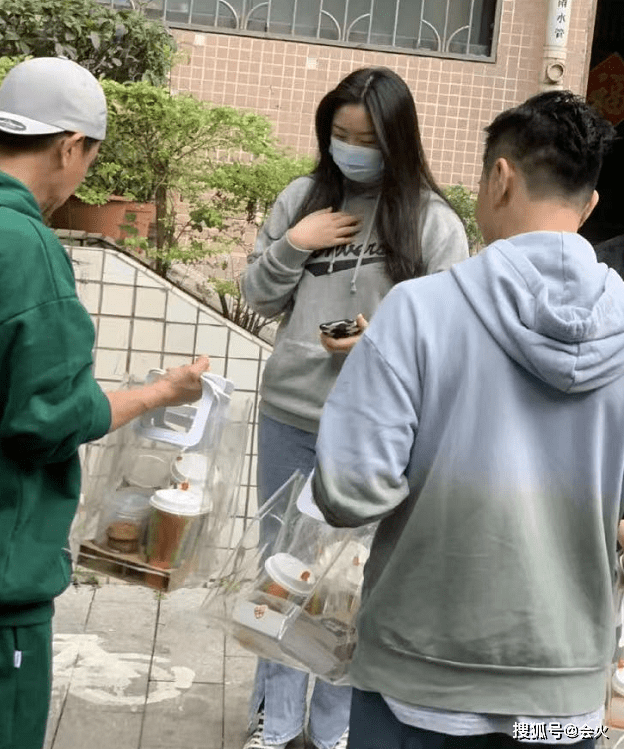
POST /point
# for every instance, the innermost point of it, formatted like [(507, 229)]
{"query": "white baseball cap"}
[(52, 95)]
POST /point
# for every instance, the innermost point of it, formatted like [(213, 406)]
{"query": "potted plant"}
[(160, 149), (119, 44), (117, 197), (163, 147), (118, 217)]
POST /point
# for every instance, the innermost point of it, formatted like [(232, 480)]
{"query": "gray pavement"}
[(135, 669)]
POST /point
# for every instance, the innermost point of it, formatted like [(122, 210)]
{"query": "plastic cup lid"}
[(291, 573), (191, 467), (130, 501), (147, 471), (177, 502)]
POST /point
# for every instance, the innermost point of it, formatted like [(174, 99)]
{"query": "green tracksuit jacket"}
[(49, 405)]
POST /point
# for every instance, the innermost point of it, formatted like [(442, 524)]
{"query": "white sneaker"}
[(255, 741)]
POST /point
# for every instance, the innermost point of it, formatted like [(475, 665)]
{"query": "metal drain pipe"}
[(556, 45)]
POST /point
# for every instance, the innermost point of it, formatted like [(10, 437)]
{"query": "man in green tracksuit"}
[(52, 118)]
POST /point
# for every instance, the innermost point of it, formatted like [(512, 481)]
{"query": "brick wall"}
[(455, 98)]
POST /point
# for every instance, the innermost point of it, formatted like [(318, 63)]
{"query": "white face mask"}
[(358, 163)]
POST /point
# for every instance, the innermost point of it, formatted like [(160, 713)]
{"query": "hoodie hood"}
[(550, 306), (15, 195)]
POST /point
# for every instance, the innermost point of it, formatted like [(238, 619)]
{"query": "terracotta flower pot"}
[(113, 219)]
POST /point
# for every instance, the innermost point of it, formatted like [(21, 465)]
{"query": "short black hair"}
[(556, 139), (14, 143)]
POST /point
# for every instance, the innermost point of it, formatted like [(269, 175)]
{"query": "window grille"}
[(452, 28)]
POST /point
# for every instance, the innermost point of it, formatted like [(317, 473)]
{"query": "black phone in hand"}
[(340, 328)]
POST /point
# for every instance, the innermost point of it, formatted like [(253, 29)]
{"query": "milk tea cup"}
[(288, 578), (174, 513)]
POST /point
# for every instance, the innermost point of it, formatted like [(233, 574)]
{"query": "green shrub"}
[(464, 201), (253, 187), (6, 63), (164, 148), (158, 141), (123, 45)]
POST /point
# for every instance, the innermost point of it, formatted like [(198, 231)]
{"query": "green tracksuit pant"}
[(25, 684)]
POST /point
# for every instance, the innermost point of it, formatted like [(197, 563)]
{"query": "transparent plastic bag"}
[(159, 494), (296, 604), (614, 707)]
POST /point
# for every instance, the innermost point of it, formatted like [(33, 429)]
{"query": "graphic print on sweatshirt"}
[(344, 257)]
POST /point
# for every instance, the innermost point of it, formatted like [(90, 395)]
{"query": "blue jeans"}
[(282, 450), (374, 726)]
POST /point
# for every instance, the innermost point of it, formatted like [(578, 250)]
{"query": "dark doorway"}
[(607, 221)]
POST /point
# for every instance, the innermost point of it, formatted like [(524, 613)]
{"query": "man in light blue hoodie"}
[(481, 420)]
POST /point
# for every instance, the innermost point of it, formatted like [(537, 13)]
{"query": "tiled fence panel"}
[(143, 322)]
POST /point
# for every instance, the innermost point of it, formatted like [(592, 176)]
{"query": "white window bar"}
[(370, 21), (435, 31), (293, 22), (446, 19), (420, 24), (254, 10), (397, 6), (353, 23), (242, 12), (229, 7), (190, 10), (447, 46), (470, 20), (334, 21), (268, 7)]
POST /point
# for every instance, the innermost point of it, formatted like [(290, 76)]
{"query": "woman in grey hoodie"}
[(370, 215)]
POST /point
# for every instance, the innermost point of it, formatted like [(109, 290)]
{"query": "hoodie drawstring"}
[(332, 260)]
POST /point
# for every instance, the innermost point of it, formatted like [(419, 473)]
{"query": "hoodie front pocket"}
[(298, 377)]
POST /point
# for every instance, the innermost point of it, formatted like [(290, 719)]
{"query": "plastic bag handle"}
[(153, 424), (306, 503)]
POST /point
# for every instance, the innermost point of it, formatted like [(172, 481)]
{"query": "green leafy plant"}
[(464, 201), (6, 63), (120, 44), (234, 308), (248, 189), (253, 187), (164, 147)]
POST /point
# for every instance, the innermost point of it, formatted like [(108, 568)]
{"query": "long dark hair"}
[(390, 105)]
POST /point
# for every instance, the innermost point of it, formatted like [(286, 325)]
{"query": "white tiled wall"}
[(144, 322)]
